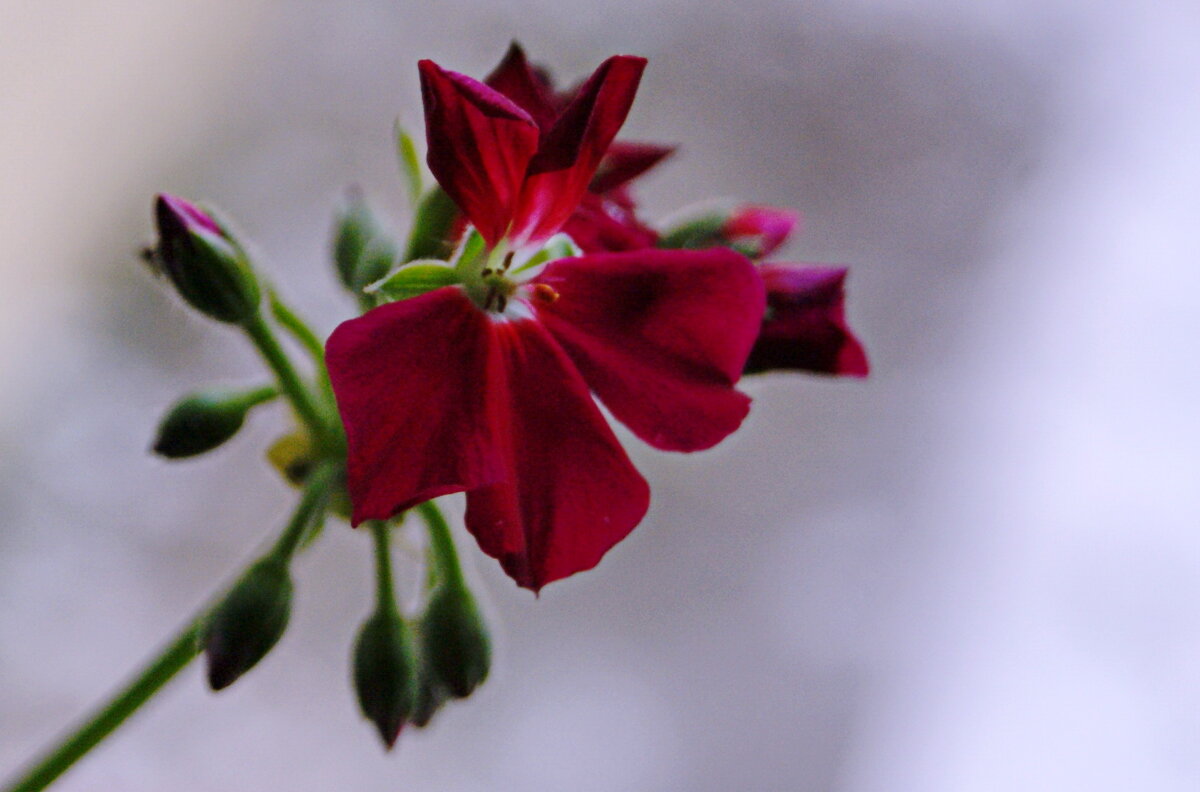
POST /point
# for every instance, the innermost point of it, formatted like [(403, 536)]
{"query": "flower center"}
[(497, 280)]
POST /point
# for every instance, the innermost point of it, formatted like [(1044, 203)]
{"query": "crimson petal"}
[(625, 161), (571, 150), (570, 493), (480, 144), (526, 86), (661, 336), (806, 327), (409, 379), (601, 225)]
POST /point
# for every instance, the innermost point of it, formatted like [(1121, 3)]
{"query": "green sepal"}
[(415, 279), (204, 420), (699, 232), (455, 641), (430, 235), (386, 673), (410, 163), (362, 252), (248, 623)]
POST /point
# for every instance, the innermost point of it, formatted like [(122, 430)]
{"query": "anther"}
[(544, 293)]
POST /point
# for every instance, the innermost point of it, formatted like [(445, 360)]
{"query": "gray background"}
[(976, 570)]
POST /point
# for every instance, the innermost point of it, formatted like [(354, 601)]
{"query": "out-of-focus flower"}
[(758, 231), (486, 386), (805, 325)]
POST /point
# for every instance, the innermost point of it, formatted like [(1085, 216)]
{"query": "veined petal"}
[(480, 144), (625, 161), (661, 336), (525, 85), (411, 380), (570, 492), (571, 150), (805, 327)]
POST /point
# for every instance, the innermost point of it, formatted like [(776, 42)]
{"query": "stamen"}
[(507, 261), (544, 293)]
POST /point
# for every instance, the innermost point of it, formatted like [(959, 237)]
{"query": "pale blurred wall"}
[(977, 570)]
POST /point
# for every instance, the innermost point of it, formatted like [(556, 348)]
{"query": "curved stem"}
[(290, 381), (445, 557), (161, 669), (385, 589), (181, 650), (257, 396)]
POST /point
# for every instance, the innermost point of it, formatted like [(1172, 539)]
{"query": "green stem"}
[(301, 331), (289, 381), (312, 504), (256, 396), (170, 661), (445, 557), (182, 649), (385, 589)]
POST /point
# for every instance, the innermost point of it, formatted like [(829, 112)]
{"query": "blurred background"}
[(979, 569)]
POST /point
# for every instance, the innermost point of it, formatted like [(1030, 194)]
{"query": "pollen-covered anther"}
[(544, 293)]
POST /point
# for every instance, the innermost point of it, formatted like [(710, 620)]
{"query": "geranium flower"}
[(485, 386)]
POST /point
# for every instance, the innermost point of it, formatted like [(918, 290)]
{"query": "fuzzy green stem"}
[(256, 396), (170, 661), (445, 557), (181, 650), (385, 589), (290, 382), (301, 331)]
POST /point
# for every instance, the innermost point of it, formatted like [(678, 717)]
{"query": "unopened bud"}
[(248, 622), (455, 641), (385, 673), (208, 269), (362, 252), (204, 420), (757, 231), (752, 230), (430, 697)]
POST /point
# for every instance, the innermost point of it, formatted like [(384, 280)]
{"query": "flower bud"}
[(455, 641), (248, 622), (757, 231), (752, 230), (204, 420), (385, 673), (362, 252), (430, 697), (433, 227), (208, 269)]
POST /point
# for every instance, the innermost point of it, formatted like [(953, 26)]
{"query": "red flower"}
[(805, 324), (485, 387), (604, 220), (513, 172)]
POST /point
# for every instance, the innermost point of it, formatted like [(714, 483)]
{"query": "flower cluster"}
[(530, 292), (484, 385)]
